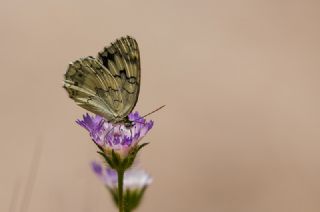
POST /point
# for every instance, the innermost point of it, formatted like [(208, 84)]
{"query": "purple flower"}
[(116, 137), (134, 178)]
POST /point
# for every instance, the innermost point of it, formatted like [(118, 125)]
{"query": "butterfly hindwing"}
[(92, 87), (109, 84)]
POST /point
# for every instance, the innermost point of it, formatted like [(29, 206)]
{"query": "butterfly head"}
[(129, 124), (125, 121)]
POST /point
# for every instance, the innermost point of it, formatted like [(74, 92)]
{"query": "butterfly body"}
[(109, 84)]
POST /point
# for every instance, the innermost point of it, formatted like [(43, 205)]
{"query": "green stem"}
[(120, 190)]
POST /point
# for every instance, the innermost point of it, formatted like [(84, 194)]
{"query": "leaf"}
[(115, 159), (106, 158)]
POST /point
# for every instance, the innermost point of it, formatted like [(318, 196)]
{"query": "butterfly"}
[(109, 84)]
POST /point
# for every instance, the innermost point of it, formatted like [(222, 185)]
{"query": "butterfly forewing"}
[(109, 84), (123, 61)]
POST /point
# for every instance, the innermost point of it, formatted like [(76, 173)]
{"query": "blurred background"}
[(240, 132)]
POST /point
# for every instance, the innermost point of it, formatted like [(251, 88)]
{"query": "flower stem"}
[(120, 190)]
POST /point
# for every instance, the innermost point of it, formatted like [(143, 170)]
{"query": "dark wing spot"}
[(105, 56)]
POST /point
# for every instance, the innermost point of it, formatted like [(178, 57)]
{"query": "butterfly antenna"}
[(153, 111)]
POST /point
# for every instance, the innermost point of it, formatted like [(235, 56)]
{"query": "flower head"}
[(135, 182), (116, 137), (134, 178)]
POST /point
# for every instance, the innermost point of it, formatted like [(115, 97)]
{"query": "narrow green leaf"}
[(115, 158), (142, 145), (106, 158)]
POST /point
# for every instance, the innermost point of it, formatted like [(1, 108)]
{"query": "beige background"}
[(240, 79)]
